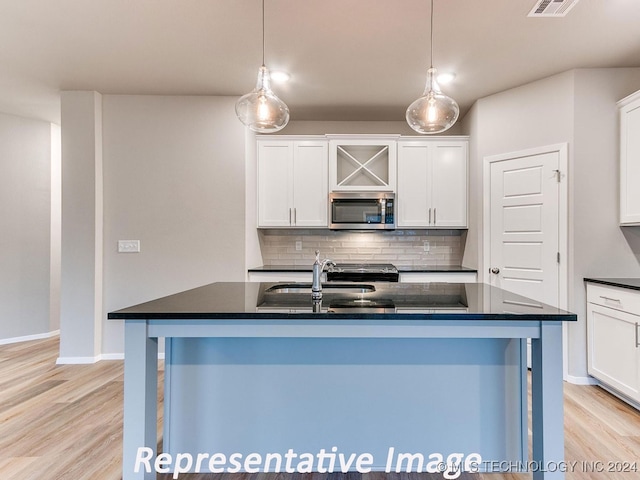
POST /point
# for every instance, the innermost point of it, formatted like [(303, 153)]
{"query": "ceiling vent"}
[(552, 8)]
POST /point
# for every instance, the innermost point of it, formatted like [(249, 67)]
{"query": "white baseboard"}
[(112, 356), (621, 396), (77, 360), (38, 336), (581, 380), (120, 356), (97, 358)]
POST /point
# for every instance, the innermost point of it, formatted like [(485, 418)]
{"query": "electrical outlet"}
[(298, 245), (426, 246), (128, 246)]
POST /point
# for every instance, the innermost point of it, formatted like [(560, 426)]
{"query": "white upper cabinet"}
[(292, 183), (310, 190), (362, 163), (630, 159), (432, 183)]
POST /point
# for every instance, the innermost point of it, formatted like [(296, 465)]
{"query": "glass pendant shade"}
[(261, 110), (433, 112)]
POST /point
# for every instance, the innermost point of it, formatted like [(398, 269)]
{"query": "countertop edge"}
[(305, 268), (628, 283), (378, 317)]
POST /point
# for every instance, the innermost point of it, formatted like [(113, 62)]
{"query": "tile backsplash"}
[(400, 247)]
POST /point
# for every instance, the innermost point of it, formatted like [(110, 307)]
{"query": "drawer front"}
[(613, 297)]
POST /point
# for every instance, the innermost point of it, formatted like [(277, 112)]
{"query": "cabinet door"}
[(630, 162), (413, 199), (612, 352), (275, 160), (310, 184), (449, 184), (432, 184)]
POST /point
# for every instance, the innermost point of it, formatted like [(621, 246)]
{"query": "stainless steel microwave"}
[(362, 211)]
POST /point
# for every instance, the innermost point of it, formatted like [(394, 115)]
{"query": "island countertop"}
[(403, 301), (248, 357)]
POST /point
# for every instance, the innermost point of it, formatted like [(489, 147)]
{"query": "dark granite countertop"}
[(409, 301), (630, 283), (436, 269), (283, 268), (401, 269)]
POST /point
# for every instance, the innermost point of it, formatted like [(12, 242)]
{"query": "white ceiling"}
[(348, 59)]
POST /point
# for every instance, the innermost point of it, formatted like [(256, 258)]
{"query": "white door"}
[(524, 229)]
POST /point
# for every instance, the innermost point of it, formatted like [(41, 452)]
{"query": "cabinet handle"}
[(289, 216), (617, 300), (295, 216), (434, 217), (429, 216), (637, 345)]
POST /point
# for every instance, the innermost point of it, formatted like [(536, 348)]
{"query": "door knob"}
[(495, 270)]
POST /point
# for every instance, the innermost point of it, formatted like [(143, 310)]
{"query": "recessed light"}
[(445, 78), (279, 76)]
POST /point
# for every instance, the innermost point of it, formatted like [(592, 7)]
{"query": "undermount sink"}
[(326, 288)]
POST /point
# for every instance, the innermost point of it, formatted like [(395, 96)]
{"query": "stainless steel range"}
[(363, 272)]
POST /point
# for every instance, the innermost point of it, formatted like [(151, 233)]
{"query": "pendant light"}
[(261, 110), (433, 112)]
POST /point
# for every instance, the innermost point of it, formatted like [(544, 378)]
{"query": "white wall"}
[(576, 107), (25, 203), (536, 114), (81, 266), (174, 178), (601, 247), (56, 227)]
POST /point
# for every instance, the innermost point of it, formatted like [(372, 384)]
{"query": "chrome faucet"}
[(318, 267)]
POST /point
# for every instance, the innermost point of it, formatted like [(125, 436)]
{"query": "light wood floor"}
[(64, 422)]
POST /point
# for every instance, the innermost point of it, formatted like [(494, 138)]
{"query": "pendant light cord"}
[(431, 62), (263, 32)]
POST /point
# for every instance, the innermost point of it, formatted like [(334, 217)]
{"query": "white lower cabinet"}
[(613, 320), (443, 277)]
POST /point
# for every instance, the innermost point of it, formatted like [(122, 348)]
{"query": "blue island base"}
[(357, 404)]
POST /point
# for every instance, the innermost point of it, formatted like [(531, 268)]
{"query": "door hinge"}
[(558, 257), (558, 175)]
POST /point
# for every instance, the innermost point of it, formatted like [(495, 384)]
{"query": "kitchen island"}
[(387, 377)]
